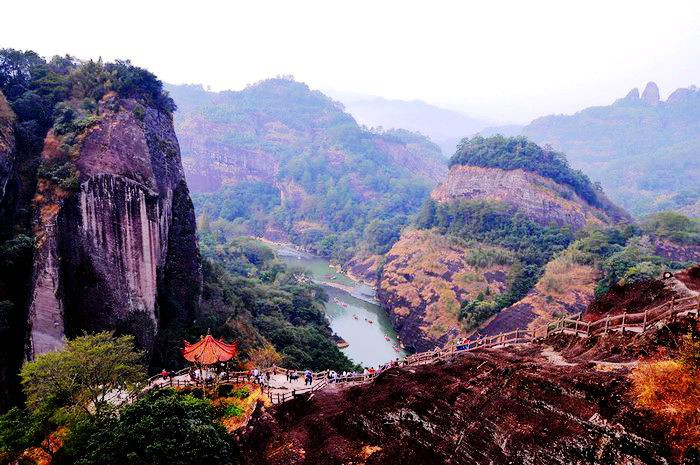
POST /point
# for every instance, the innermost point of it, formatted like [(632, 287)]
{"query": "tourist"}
[(255, 375), (164, 373), (308, 378), (294, 376)]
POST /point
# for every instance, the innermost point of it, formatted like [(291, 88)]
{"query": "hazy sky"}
[(509, 61)]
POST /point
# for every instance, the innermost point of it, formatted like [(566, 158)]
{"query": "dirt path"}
[(555, 357)]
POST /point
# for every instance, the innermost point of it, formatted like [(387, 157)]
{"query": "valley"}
[(170, 252)]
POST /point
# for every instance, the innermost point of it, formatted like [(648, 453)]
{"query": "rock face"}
[(7, 144), (544, 200), (651, 94), (489, 407), (426, 277), (115, 254)]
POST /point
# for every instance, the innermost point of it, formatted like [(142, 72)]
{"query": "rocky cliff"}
[(543, 199), (117, 248), (507, 207), (7, 144), (566, 288), (427, 276)]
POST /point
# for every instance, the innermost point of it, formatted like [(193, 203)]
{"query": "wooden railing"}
[(634, 322)]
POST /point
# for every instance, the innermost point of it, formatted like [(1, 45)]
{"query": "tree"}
[(80, 377), (265, 357), (164, 427)]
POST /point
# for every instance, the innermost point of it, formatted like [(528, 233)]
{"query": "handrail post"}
[(624, 316), (517, 335), (607, 322), (644, 323)]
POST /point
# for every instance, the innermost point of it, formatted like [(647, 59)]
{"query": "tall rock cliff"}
[(7, 144), (544, 200), (117, 248)]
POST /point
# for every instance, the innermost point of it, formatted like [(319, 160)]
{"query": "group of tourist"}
[(258, 377)]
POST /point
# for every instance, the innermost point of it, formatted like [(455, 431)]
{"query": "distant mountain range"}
[(444, 127), (644, 151)]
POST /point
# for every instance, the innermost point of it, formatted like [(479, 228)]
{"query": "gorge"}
[(305, 232)]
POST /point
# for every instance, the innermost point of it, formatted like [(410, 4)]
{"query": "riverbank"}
[(353, 310)]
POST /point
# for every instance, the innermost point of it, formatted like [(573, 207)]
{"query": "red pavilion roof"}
[(208, 351)]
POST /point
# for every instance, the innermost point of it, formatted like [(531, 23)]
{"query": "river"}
[(350, 308)]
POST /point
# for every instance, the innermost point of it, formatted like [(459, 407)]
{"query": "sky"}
[(508, 61)]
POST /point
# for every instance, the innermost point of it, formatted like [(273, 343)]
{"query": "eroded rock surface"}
[(115, 253), (489, 407), (7, 144), (542, 199)]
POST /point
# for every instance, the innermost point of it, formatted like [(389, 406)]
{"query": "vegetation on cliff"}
[(322, 180), (510, 153), (60, 95), (616, 254), (532, 245), (254, 298)]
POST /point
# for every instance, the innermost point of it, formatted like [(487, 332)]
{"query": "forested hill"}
[(644, 151), (280, 160)]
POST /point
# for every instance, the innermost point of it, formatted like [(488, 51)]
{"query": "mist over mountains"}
[(444, 127), (643, 151)]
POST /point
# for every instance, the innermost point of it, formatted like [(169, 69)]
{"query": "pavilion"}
[(208, 352)]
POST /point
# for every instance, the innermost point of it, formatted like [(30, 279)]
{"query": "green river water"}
[(350, 308)]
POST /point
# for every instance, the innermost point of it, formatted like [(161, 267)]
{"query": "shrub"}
[(164, 427), (674, 226)]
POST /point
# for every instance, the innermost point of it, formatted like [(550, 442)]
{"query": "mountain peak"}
[(651, 93), (633, 94)]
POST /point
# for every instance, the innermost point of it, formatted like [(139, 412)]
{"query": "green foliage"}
[(634, 262), (474, 312), (163, 427), (645, 156), (674, 226), (246, 289), (510, 153), (233, 411), (344, 179), (494, 223), (529, 247), (79, 377), (63, 173)]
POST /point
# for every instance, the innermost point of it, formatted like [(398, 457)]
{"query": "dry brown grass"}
[(671, 391), (563, 274), (430, 271)]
